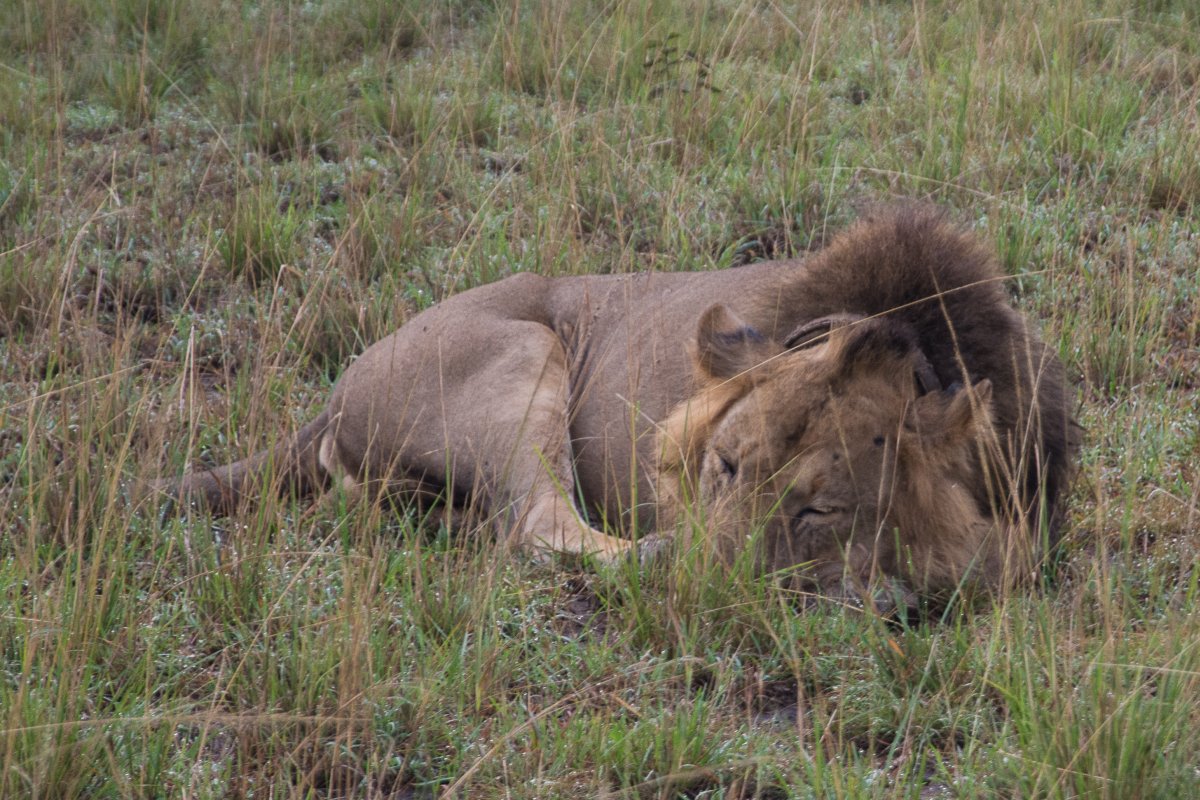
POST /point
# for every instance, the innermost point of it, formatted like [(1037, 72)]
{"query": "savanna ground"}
[(207, 208)]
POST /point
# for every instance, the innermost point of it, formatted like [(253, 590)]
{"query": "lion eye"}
[(727, 466), (815, 511)]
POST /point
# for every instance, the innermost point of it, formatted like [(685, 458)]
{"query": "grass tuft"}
[(261, 238)]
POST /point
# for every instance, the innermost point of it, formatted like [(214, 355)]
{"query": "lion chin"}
[(874, 415)]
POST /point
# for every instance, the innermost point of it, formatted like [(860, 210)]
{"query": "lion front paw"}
[(654, 549)]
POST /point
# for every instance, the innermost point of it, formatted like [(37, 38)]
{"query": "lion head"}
[(833, 458)]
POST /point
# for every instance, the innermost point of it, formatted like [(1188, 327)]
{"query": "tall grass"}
[(207, 208)]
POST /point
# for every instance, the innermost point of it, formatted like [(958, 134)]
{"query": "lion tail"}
[(292, 464)]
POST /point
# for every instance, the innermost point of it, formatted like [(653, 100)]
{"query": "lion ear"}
[(950, 417), (874, 346), (726, 346)]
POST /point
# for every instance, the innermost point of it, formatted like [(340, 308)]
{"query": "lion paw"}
[(654, 549)]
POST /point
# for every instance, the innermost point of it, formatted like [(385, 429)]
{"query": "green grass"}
[(207, 208)]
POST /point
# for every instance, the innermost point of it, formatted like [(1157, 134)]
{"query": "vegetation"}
[(207, 207)]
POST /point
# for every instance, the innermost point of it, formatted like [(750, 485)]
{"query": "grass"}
[(207, 208)]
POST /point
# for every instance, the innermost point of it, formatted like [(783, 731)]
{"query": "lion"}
[(876, 411)]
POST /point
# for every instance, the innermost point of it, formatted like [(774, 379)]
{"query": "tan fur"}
[(685, 432), (523, 397)]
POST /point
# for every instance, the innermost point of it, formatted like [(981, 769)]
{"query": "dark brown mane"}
[(913, 265)]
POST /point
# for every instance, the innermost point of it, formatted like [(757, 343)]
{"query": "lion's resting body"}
[(525, 394)]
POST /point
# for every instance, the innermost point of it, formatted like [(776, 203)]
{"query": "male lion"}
[(875, 411)]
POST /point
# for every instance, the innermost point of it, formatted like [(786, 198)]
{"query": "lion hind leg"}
[(335, 468), (427, 496), (482, 423)]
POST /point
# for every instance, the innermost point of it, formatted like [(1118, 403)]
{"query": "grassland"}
[(207, 207)]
